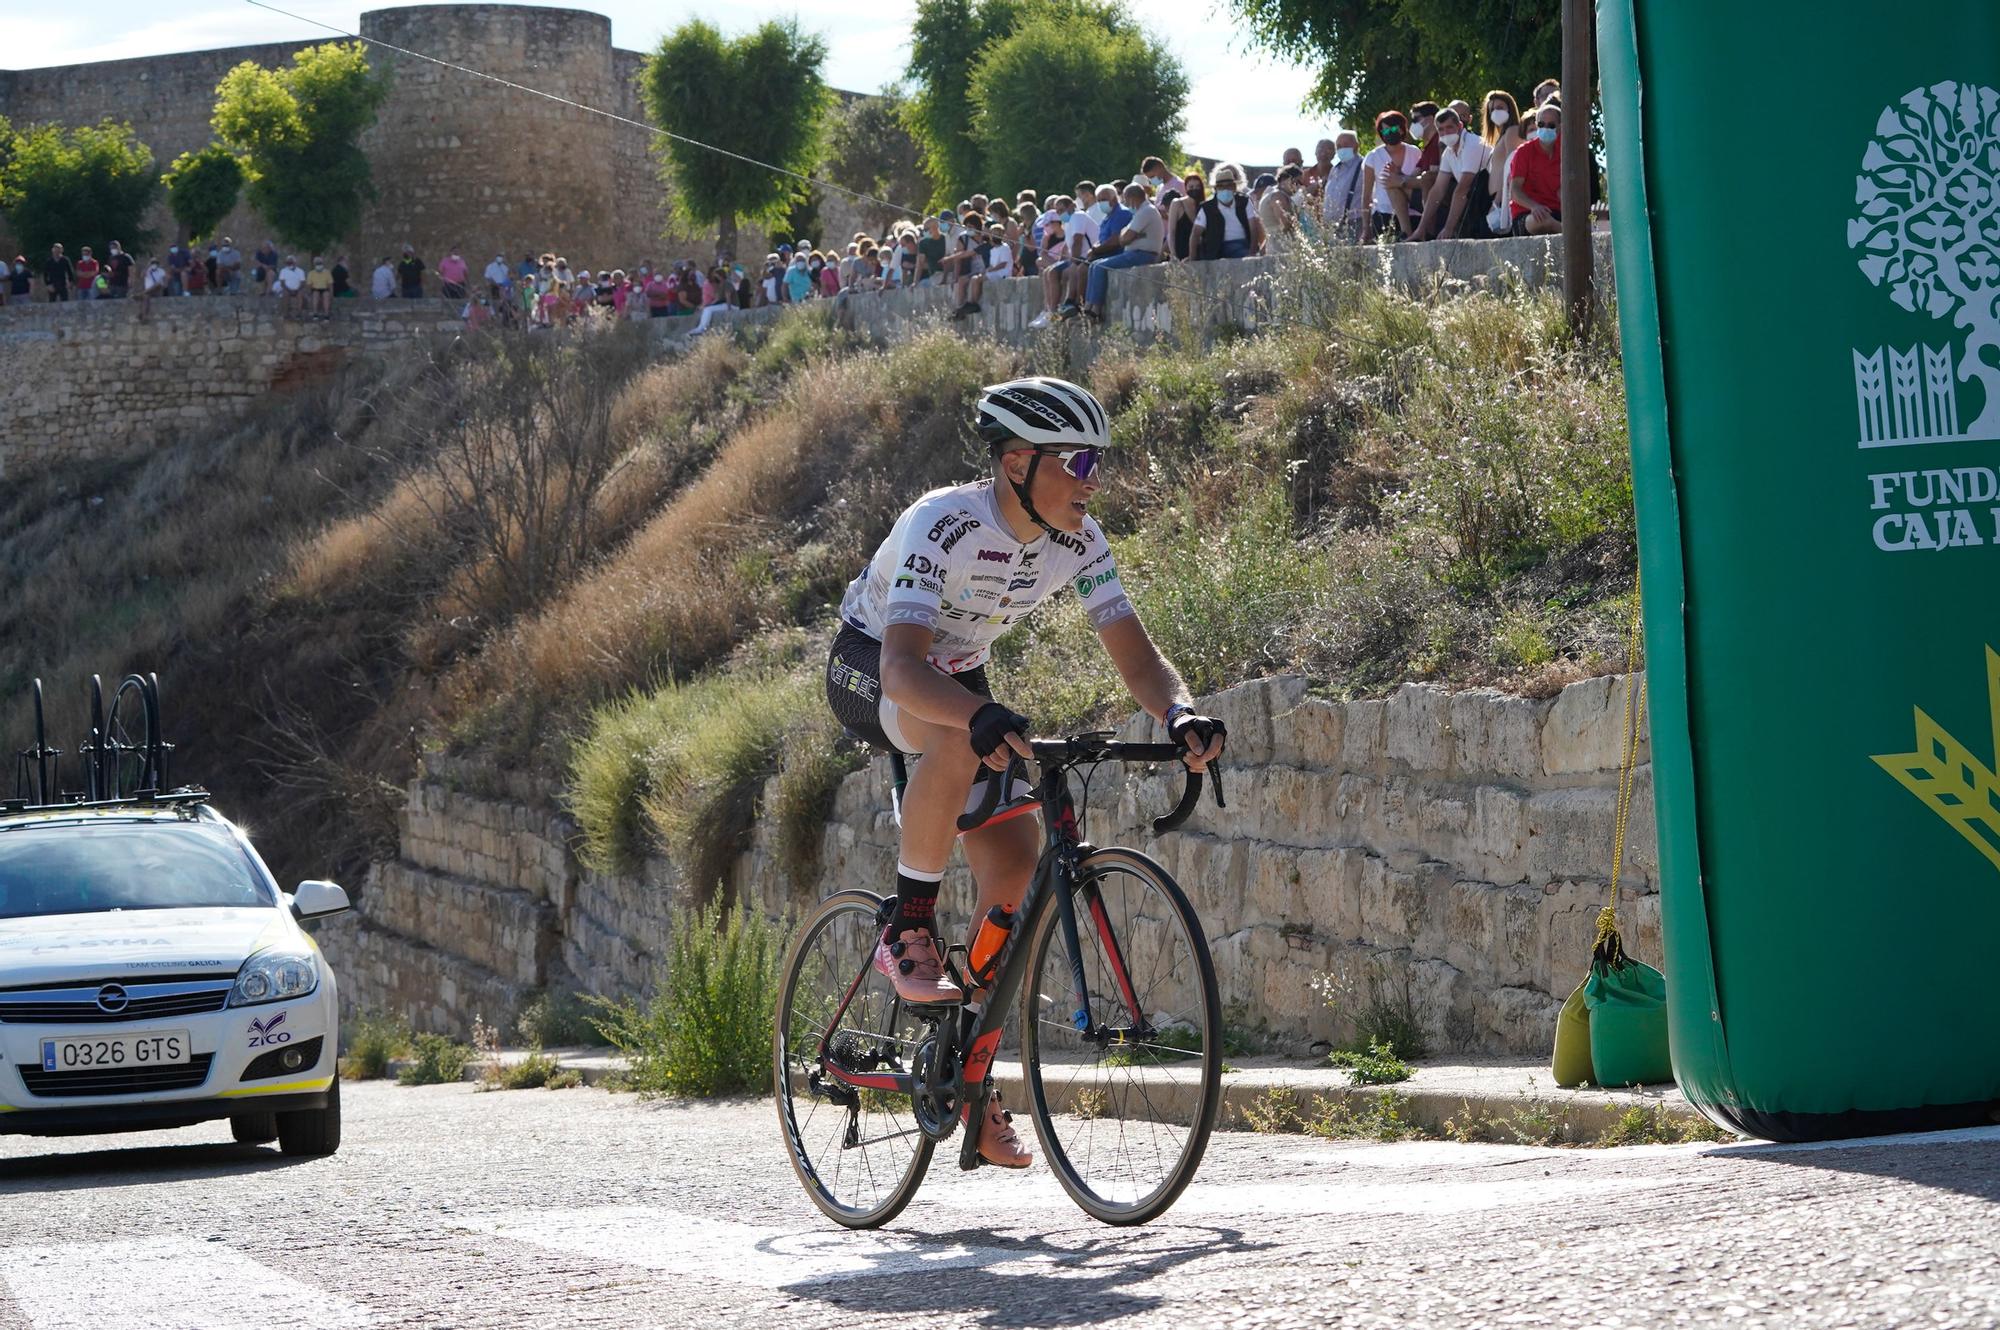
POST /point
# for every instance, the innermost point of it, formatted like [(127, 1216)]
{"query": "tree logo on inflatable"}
[(1929, 234)]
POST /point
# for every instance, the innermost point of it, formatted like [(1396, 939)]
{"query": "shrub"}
[(531, 1072), (369, 1043), (556, 1020), (680, 768), (1377, 1064), (708, 1030), (436, 1060)]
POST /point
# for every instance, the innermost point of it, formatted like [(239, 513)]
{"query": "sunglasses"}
[(1080, 463)]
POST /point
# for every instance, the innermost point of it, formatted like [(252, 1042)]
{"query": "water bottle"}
[(993, 933)]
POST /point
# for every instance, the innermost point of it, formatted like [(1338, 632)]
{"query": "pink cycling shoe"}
[(915, 967)]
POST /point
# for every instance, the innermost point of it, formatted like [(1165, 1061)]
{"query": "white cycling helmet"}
[(1047, 413)]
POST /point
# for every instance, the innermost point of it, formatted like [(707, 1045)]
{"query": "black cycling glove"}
[(991, 725), (1204, 728)]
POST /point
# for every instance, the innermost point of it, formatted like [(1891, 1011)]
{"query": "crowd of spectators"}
[(1438, 171)]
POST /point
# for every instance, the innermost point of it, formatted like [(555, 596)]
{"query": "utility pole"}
[(1579, 79)]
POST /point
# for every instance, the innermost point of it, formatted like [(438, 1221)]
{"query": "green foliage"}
[(297, 130), (369, 1043), (949, 41), (1377, 1064), (436, 1060), (708, 1030), (1122, 96), (1377, 54), (1382, 1009), (87, 185), (535, 1070), (555, 1019), (868, 149), (1656, 1126), (202, 187), (679, 768), (762, 95)]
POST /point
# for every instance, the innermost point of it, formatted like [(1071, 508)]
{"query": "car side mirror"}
[(315, 899)]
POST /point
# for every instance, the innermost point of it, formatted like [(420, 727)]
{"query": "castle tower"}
[(461, 160)]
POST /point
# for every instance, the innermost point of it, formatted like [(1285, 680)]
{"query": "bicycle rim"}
[(1124, 1123), (860, 1164)]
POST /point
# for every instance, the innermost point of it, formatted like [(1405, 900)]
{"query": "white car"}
[(153, 975)]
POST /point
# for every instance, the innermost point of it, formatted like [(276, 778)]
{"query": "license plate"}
[(133, 1048)]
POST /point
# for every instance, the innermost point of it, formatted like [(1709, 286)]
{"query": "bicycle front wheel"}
[(1125, 1076), (858, 1152)]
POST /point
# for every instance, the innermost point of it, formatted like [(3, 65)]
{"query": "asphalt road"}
[(447, 1206)]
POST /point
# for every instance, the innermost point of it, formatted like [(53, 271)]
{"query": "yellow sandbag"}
[(1572, 1059)]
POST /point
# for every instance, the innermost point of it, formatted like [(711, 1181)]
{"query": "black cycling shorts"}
[(854, 690)]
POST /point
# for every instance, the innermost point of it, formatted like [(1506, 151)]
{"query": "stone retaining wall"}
[(90, 380), (1442, 853)]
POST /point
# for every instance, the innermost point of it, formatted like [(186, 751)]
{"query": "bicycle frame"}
[(980, 1023)]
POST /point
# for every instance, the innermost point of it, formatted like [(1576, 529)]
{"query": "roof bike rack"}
[(124, 760)]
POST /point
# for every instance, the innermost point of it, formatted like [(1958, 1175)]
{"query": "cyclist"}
[(908, 670)]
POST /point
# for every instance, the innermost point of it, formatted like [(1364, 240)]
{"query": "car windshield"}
[(70, 869)]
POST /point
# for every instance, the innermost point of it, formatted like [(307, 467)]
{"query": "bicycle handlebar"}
[(1095, 747)]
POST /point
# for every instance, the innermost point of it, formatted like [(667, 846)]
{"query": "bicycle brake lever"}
[(1215, 784)]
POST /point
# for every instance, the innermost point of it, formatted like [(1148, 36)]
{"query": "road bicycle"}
[(1120, 1037)]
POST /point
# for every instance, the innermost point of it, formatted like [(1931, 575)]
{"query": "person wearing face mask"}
[(16, 286), (1224, 227), (1534, 178), (1503, 139), (118, 272), (1181, 212), (1390, 160), (1343, 206), (1457, 205)]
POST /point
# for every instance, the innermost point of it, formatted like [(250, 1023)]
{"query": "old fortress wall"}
[(457, 160)]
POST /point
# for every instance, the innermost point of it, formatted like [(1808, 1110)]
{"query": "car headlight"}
[(274, 976)]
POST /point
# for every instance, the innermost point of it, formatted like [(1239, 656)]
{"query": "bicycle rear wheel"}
[(1126, 1080), (858, 1152)]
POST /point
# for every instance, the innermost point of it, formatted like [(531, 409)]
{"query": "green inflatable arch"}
[(1807, 228)]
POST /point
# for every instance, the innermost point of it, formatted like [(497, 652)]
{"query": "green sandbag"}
[(1572, 1059), (1628, 1020)]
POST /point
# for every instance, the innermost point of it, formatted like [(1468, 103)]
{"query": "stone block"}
[(1417, 727), (1361, 736), (1248, 709), (1584, 729), (1571, 833), (1495, 734), (1309, 733), (1497, 834)]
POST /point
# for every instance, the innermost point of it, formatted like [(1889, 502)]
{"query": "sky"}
[(1244, 105)]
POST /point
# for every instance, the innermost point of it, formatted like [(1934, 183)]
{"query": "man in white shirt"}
[(1461, 180), (1343, 202), (499, 278), (383, 284), (1144, 238), (291, 282)]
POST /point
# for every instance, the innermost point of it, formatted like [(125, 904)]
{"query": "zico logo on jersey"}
[(1087, 584), (995, 556)]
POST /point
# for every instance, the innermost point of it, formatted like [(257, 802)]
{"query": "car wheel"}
[(255, 1128), (312, 1131)]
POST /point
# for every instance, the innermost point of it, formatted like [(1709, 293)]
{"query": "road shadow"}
[(1966, 1160), (135, 1166), (1083, 1283)]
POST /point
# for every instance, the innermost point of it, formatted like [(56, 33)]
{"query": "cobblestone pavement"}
[(447, 1206)]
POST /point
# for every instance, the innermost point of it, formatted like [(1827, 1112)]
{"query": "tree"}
[(297, 131), (84, 186), (1121, 96), (202, 187), (1928, 196), (868, 150), (946, 43), (759, 94), (1375, 54)]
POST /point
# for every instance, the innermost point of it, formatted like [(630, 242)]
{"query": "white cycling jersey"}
[(952, 565)]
